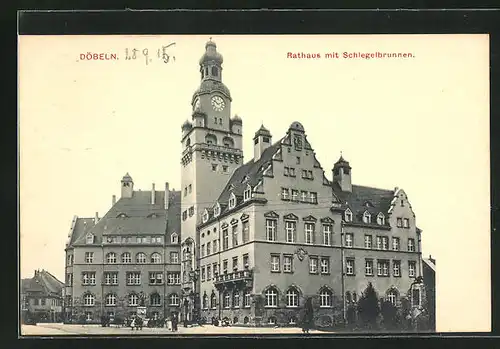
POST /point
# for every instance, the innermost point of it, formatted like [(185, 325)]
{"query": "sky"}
[(420, 123)]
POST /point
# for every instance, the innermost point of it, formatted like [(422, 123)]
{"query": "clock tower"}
[(211, 151)]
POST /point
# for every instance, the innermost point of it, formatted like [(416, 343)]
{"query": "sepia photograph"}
[(254, 184)]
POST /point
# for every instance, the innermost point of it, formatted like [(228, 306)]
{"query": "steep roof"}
[(134, 215), (249, 173), (363, 199), (44, 282), (430, 264)]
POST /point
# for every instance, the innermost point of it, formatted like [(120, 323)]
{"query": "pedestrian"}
[(174, 322), (308, 317), (169, 322)]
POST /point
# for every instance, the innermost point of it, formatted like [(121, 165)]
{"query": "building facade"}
[(252, 240), (41, 298)]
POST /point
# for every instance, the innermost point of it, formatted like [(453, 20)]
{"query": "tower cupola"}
[(342, 174), (127, 186), (261, 141)]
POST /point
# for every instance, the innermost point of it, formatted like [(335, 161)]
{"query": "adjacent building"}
[(41, 298), (429, 274), (249, 241)]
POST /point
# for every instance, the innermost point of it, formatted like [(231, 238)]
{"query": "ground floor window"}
[(173, 299), (246, 320), (271, 298), (271, 320), (156, 315), (88, 315), (235, 320), (325, 298), (293, 320), (111, 314)]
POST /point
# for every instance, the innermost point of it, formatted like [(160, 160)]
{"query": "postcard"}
[(254, 184)]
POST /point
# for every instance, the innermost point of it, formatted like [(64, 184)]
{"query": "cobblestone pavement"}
[(66, 329)]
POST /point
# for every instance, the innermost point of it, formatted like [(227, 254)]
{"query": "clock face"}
[(218, 103)]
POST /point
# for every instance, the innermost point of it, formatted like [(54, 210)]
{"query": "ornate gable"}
[(234, 221), (327, 220), (244, 217), (278, 155), (224, 225)]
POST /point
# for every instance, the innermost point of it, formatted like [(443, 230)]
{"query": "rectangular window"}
[(214, 167), (303, 196), (383, 268), (209, 248), (275, 263), (235, 235), (309, 232), (174, 257), (285, 194), (191, 211), (325, 265), (411, 268), (235, 263), (215, 246), (368, 267), (246, 232), (156, 278), (287, 264), (184, 216), (313, 198), (327, 234), (224, 168), (411, 245), (368, 241), (400, 222), (295, 195), (385, 243), (349, 239), (271, 229), (133, 278), (286, 171), (379, 242), (70, 279), (395, 244), (111, 278), (225, 239), (290, 228), (313, 265), (89, 257), (292, 172), (349, 266), (224, 266), (416, 297), (88, 277), (190, 188), (203, 274), (215, 269), (246, 263), (202, 250), (406, 223), (298, 160), (396, 268), (209, 272), (174, 278)]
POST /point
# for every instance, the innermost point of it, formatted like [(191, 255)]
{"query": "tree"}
[(368, 307)]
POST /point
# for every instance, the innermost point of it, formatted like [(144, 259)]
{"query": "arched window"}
[(211, 139), (174, 238), (348, 215), (126, 258), (88, 300), (110, 299), (232, 201), (141, 258), (367, 217), (380, 219), (235, 320), (271, 296), (111, 258), (325, 298), (246, 320), (156, 258), (292, 297), (205, 301), (173, 299), (155, 299), (392, 296), (226, 299), (215, 71), (228, 142), (133, 300), (213, 301)]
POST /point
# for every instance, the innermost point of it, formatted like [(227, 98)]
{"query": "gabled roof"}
[(43, 282), (253, 169), (139, 217), (379, 199)]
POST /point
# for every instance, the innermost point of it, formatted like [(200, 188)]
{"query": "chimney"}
[(96, 218), (153, 194), (113, 200), (167, 195), (432, 260)]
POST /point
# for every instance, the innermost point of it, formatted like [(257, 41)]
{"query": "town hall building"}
[(246, 239)]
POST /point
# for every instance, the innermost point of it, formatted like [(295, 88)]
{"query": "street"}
[(55, 329)]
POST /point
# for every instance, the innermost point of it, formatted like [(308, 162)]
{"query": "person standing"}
[(174, 322)]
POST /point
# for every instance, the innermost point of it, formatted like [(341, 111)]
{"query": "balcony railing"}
[(239, 276)]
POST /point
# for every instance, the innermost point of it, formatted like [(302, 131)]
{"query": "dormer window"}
[(247, 194), (174, 238), (122, 215), (204, 217), (367, 217), (89, 239), (381, 219), (217, 210), (348, 215), (232, 201)]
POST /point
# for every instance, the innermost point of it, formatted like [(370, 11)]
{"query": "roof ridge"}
[(370, 187)]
